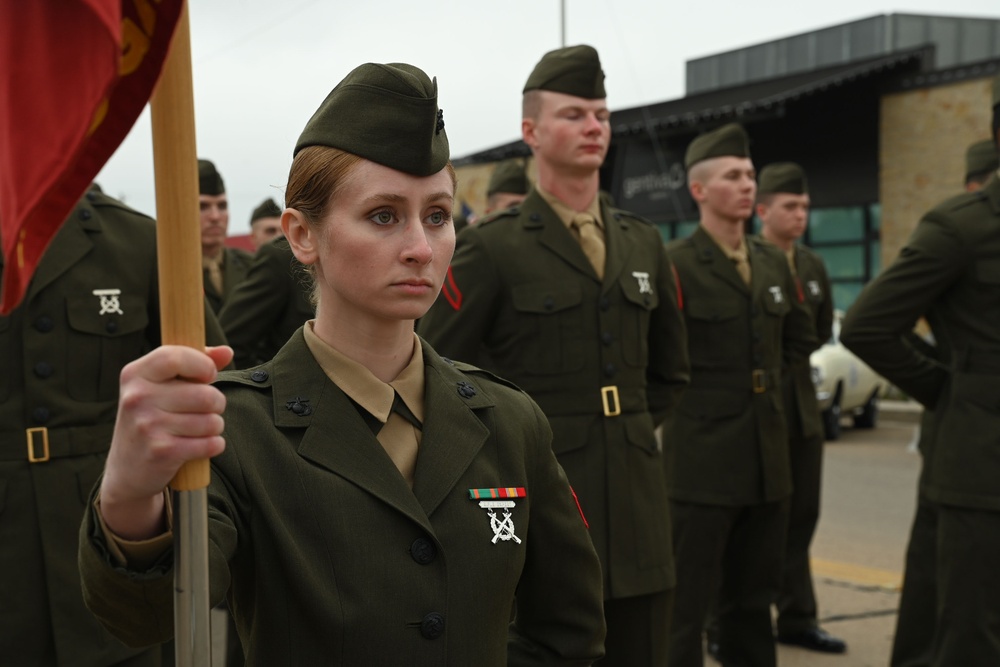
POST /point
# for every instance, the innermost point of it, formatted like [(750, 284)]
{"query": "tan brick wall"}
[(923, 137)]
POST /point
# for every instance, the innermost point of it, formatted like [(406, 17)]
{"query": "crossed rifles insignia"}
[(499, 498)]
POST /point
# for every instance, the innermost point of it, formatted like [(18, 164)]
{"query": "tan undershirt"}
[(566, 214), (736, 256)]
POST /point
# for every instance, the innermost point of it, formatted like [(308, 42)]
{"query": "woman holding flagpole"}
[(370, 502)]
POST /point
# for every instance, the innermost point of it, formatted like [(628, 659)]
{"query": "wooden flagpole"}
[(182, 315)]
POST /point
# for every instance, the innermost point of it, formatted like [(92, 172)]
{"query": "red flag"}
[(76, 74)]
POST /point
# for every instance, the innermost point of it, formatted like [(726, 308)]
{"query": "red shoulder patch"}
[(579, 509), (798, 288), (677, 282), (451, 292)]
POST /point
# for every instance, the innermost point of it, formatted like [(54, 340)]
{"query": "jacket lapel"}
[(710, 253), (70, 245), (336, 437), (619, 246), (453, 434), (554, 235)]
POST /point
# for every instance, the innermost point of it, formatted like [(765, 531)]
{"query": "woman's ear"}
[(301, 236)]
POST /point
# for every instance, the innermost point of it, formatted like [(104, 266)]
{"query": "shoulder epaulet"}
[(470, 369), (257, 376), (961, 201), (511, 212), (620, 214), (98, 199)]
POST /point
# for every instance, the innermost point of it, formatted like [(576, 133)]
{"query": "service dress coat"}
[(332, 559), (604, 359), (264, 310), (92, 307), (234, 270), (727, 440), (948, 273)]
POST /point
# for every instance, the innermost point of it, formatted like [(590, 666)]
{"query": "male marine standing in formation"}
[(949, 273), (224, 268), (783, 208), (575, 302), (726, 443)]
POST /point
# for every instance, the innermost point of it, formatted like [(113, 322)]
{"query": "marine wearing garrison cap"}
[(574, 301), (728, 140), (508, 185), (223, 267), (267, 209), (782, 177), (354, 117), (574, 70), (726, 444)]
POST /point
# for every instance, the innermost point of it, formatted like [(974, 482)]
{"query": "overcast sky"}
[(262, 67)]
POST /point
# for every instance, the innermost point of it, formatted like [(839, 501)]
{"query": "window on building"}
[(847, 238)]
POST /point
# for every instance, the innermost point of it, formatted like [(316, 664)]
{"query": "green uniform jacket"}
[(61, 352), (237, 264), (727, 440), (802, 410), (263, 311), (332, 558), (521, 286), (949, 273)]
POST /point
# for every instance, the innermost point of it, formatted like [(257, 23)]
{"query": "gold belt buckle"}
[(31, 444), (759, 381), (609, 395)]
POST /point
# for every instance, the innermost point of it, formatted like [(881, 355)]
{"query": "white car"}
[(845, 385)]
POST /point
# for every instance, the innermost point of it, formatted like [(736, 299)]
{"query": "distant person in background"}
[(508, 186), (981, 162), (224, 267), (783, 208), (265, 223)]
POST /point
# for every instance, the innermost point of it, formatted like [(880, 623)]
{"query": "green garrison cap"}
[(384, 113), (209, 181), (267, 209), (981, 156), (728, 140), (509, 176), (574, 70), (786, 177)]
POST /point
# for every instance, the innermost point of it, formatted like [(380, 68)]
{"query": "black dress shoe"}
[(815, 639)]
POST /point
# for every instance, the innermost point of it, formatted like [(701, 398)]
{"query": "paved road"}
[(869, 498)]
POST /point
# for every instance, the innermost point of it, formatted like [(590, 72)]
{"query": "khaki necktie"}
[(591, 240), (214, 272), (742, 264), (399, 439)]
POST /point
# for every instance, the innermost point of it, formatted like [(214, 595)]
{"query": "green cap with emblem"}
[(267, 209), (573, 70), (209, 181), (728, 140), (981, 157), (384, 113), (509, 176), (785, 177)]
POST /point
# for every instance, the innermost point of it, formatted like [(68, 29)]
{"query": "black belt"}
[(758, 380), (41, 444)]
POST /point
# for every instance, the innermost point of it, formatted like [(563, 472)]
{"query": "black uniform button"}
[(41, 415), (432, 626), (605, 304), (259, 376), (610, 370), (607, 338), (91, 196), (534, 217), (44, 324), (84, 214), (422, 550), (645, 300), (111, 326), (466, 390), (549, 303), (43, 370)]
